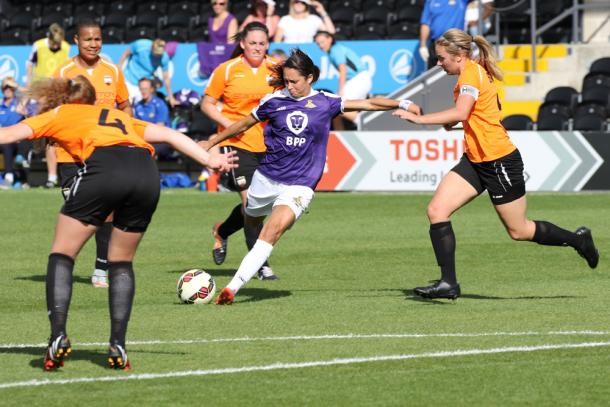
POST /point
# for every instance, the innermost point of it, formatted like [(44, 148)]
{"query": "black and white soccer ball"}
[(195, 287)]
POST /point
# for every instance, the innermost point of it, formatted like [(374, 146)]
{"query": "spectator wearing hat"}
[(437, 17), (47, 55), (9, 115), (143, 58), (262, 11), (299, 26)]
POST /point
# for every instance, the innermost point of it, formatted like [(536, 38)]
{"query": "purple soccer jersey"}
[(296, 135)]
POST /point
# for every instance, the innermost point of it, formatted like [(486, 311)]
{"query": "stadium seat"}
[(47, 19), (179, 34), (599, 95), (379, 15), (517, 35), (344, 31), (33, 8), (178, 19), (403, 30), (343, 15), (590, 117), (282, 7), (595, 79), (21, 19), (408, 12), (601, 65), (147, 19), (518, 122), (114, 35), (121, 6), (154, 7), (138, 32), (388, 5), (190, 7), (556, 35), (563, 95), (198, 29), (241, 14), (62, 7), (115, 19), (371, 31), (88, 10), (15, 36), (553, 116), (355, 5)]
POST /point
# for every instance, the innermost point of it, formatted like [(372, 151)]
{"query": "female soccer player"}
[(491, 162), (298, 122), (240, 83), (118, 175)]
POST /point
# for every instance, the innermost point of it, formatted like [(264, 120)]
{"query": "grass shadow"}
[(261, 294), (43, 278), (213, 272), (410, 295)]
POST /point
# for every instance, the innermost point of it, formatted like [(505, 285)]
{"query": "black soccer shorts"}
[(240, 178)]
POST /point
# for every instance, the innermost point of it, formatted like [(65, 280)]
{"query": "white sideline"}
[(301, 365), (316, 337)]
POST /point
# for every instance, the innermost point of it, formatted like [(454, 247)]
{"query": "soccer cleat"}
[(265, 273), (99, 278), (59, 349), (440, 289), (220, 246), (587, 249), (117, 358), (226, 297), (50, 184)]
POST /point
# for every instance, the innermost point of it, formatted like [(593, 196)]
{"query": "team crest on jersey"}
[(297, 121), (107, 79), (310, 104)]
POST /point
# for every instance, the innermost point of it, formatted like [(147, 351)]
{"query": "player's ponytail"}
[(51, 93), (477, 48)]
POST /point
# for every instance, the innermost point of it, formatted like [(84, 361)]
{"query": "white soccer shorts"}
[(264, 194), (358, 87)]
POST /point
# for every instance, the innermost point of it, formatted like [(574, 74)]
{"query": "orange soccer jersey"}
[(241, 88), (106, 78), (486, 138), (79, 129)]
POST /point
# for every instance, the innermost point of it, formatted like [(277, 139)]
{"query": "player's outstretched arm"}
[(15, 133), (184, 144), (377, 104), (460, 112), (233, 130)]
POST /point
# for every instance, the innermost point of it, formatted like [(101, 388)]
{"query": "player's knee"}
[(518, 233), (436, 213)]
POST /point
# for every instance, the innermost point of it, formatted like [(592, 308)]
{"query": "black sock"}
[(120, 297), (59, 291), (233, 223), (252, 233), (443, 242), (102, 237), (550, 235)]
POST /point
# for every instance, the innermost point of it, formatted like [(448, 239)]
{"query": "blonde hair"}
[(56, 33), (477, 48), (51, 93)]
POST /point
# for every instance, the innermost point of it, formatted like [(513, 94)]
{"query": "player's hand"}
[(424, 53), (223, 162), (318, 7), (416, 109), (405, 115)]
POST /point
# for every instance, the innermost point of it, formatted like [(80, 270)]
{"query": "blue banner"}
[(392, 63)]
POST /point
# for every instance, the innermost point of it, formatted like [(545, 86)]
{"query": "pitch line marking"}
[(318, 337), (302, 365)]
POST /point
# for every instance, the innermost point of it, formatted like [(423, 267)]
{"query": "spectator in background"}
[(354, 79), (263, 11), (278, 55), (9, 115), (299, 26), (240, 83), (47, 55), (437, 17), (143, 58), (472, 16), (222, 25), (153, 109)]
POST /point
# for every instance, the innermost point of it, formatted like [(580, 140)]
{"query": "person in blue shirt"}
[(354, 79), (298, 123), (151, 108), (8, 116), (437, 17), (143, 58)]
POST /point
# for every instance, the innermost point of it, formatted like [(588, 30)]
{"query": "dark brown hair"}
[(299, 61)]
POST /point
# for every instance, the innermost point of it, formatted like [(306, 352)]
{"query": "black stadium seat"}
[(372, 31), (179, 34), (343, 15), (378, 15), (136, 33), (518, 122), (121, 6), (564, 95), (114, 35), (179, 19), (601, 65), (409, 13), (599, 95), (553, 116), (595, 79), (590, 117), (190, 7), (344, 31), (116, 19), (403, 30)]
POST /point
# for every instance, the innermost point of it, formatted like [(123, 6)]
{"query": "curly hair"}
[(51, 93)]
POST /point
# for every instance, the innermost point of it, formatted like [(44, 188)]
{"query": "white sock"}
[(52, 177), (9, 177), (250, 264)]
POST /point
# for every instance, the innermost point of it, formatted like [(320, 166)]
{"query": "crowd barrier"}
[(417, 160)]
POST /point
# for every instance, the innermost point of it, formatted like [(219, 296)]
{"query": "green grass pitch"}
[(340, 327)]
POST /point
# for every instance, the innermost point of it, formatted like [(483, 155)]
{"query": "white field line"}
[(318, 337), (302, 365)]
